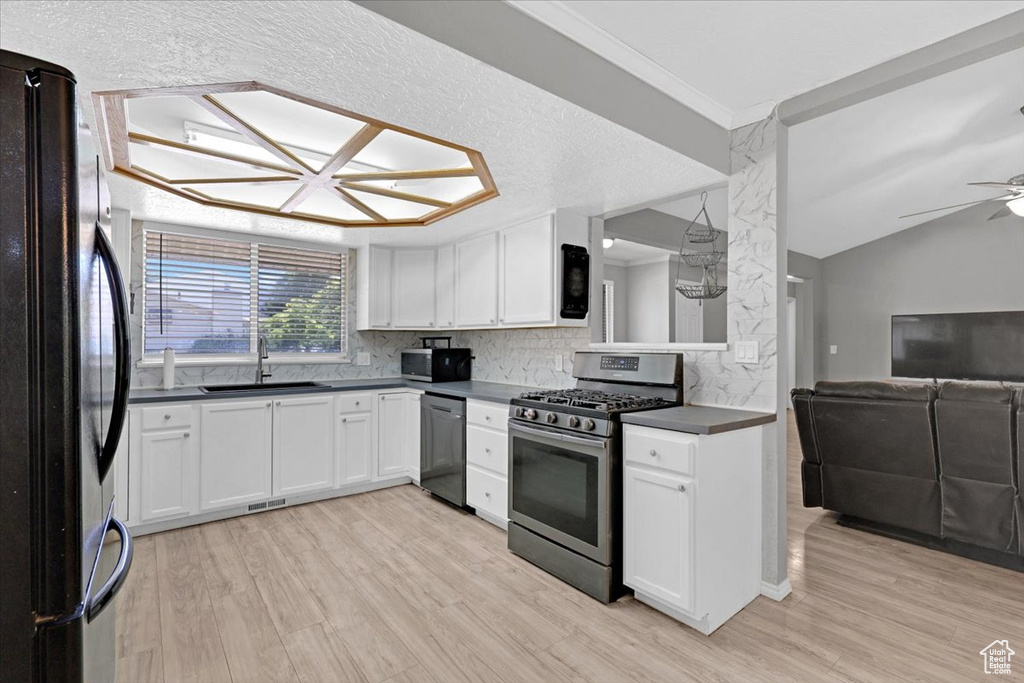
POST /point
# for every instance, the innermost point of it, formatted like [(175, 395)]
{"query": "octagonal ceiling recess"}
[(252, 147)]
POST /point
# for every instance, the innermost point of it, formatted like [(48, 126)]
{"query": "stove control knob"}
[(519, 412), (530, 414), (551, 418), (574, 422), (589, 425)]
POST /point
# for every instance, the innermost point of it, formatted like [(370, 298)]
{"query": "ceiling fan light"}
[(607, 242), (1017, 206)]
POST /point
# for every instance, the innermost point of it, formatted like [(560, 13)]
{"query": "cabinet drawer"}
[(354, 403), (166, 418), (672, 451), (493, 415), (486, 491), (487, 448)]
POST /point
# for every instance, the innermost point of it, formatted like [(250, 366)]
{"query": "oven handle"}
[(596, 442)]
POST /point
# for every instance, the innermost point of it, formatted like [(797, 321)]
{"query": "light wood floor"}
[(394, 586)]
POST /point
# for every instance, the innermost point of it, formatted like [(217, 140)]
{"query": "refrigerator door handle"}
[(95, 604), (122, 350)]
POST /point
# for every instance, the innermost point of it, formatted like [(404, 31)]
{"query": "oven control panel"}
[(620, 363)]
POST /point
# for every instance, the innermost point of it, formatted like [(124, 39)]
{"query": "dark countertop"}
[(698, 419), (482, 391)]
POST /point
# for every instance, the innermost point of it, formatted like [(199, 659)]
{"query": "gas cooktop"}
[(589, 399)]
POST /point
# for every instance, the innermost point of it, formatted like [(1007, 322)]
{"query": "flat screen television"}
[(966, 346)]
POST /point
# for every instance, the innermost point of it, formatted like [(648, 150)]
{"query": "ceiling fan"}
[(1013, 200)]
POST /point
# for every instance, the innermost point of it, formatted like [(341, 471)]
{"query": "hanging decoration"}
[(697, 233)]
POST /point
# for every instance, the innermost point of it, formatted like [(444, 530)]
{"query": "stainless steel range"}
[(565, 469)]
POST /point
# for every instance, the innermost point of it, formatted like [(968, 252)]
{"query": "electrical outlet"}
[(559, 362), (833, 349), (362, 358)]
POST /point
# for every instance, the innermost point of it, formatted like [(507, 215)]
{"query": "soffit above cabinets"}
[(252, 147)]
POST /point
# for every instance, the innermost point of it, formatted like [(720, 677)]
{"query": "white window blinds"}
[(214, 296), (198, 294), (301, 300)]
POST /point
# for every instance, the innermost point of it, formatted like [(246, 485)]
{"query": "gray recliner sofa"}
[(940, 466)]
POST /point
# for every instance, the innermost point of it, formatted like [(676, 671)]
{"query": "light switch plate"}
[(362, 358), (833, 349), (747, 352), (559, 362)]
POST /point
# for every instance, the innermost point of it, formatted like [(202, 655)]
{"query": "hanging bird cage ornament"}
[(697, 233)]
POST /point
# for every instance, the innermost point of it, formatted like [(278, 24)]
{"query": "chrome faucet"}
[(261, 353)]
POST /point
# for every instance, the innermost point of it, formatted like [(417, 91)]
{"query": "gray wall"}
[(617, 274), (957, 263)]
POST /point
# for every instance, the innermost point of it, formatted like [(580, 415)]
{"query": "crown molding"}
[(754, 114), (559, 17)]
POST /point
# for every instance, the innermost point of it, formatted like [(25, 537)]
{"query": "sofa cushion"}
[(976, 393), (883, 391), (906, 502), (882, 436)]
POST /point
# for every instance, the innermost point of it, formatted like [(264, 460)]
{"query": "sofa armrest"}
[(804, 424)]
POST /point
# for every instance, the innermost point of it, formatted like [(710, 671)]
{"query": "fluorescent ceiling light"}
[(607, 242)]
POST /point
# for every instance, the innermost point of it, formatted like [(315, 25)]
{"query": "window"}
[(608, 311), (217, 297)]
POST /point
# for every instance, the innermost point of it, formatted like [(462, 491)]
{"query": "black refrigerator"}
[(64, 378)]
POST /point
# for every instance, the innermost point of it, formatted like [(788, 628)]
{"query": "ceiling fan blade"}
[(1002, 186), (1001, 213), (954, 206)]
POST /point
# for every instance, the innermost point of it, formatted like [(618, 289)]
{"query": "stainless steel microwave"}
[(437, 365)]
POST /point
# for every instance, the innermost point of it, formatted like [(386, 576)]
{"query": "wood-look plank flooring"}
[(395, 586)]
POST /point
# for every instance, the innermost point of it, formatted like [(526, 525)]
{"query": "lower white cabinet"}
[(658, 528), (487, 460), (186, 460), (166, 475), (303, 452), (692, 522), (235, 462), (398, 434), (354, 446)]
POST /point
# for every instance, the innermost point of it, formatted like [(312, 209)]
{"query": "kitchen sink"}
[(258, 388)]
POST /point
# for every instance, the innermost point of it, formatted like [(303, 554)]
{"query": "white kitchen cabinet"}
[(235, 462), (476, 281), (379, 287), (692, 522), (354, 446), (526, 282), (303, 451), (445, 287), (413, 284), (658, 528), (398, 434), (166, 474), (487, 460)]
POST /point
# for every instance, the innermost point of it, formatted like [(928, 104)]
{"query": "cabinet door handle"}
[(487, 494), (167, 416), (185, 435), (654, 453), (487, 450), (682, 488), (278, 403), (268, 404), (492, 321), (487, 417), (344, 419), (357, 402)]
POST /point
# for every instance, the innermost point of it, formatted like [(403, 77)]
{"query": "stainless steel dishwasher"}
[(443, 447)]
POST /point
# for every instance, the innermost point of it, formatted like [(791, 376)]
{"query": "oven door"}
[(559, 488)]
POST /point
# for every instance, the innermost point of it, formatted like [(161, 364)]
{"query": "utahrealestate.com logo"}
[(997, 657)]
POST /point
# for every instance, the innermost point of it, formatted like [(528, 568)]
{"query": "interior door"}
[(689, 319)]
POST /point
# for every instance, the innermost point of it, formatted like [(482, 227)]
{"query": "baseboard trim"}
[(776, 591)]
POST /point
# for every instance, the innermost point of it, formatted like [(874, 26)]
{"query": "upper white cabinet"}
[(236, 463), (413, 286), (303, 444), (510, 277), (445, 291), (526, 281), (476, 281)]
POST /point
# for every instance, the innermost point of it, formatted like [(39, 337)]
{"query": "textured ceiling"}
[(742, 54), (853, 172), (543, 152)]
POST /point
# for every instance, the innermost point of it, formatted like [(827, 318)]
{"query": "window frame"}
[(155, 359)]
